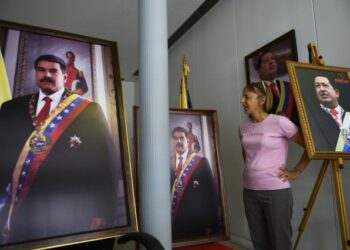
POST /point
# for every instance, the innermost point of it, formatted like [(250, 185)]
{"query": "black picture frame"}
[(283, 47), (20, 44)]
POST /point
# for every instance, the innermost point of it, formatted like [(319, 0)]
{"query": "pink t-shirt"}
[(266, 145)]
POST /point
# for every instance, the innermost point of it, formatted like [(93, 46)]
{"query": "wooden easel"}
[(337, 165), (314, 56)]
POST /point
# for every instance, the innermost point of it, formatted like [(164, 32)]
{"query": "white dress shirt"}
[(55, 97)]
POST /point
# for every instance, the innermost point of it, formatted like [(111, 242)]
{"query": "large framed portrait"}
[(199, 213), (322, 95), (67, 179), (282, 48)]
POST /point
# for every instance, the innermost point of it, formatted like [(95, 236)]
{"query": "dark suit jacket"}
[(72, 186), (294, 114), (324, 129), (197, 214)]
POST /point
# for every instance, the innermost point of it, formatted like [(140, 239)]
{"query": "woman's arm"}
[(243, 154), (286, 174), (298, 138)]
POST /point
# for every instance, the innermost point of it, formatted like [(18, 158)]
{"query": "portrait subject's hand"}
[(78, 92), (286, 174)]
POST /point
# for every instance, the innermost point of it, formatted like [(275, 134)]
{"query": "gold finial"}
[(185, 67), (314, 56)]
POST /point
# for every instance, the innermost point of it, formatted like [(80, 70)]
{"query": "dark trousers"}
[(269, 215)]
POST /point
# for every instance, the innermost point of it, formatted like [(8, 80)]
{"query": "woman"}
[(267, 193)]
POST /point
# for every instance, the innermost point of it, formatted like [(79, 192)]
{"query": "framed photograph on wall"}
[(199, 213), (322, 96), (282, 49), (268, 64), (66, 179)]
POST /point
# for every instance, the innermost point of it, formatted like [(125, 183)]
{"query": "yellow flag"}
[(183, 95), (184, 99), (5, 93)]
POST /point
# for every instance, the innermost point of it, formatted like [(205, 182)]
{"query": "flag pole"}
[(184, 98), (5, 92)]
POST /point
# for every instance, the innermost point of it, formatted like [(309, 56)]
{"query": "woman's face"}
[(251, 102)]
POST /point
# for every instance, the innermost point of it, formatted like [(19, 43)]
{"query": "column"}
[(154, 180)]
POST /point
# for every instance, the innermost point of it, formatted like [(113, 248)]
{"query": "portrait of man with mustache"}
[(58, 164), (194, 196)]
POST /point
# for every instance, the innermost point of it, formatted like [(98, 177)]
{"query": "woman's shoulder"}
[(245, 123), (284, 124), (244, 126), (280, 121), (279, 118)]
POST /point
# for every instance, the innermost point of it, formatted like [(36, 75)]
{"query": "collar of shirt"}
[(268, 83), (339, 109), (55, 97), (184, 157)]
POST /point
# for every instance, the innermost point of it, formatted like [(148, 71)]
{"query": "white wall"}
[(98, 19), (215, 49)]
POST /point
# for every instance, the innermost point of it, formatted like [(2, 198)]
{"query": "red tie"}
[(334, 113), (44, 111), (273, 88), (179, 166)]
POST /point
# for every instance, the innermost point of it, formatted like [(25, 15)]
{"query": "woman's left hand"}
[(286, 174)]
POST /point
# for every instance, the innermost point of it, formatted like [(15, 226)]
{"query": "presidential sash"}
[(182, 181), (343, 143), (285, 104), (37, 148)]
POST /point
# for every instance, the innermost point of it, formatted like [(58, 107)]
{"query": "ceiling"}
[(182, 15), (113, 20), (179, 11)]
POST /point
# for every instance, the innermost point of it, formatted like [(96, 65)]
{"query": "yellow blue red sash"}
[(30, 158), (343, 143), (181, 182), (285, 105)]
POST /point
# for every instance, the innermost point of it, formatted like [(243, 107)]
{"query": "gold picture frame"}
[(20, 44), (204, 124), (325, 136)]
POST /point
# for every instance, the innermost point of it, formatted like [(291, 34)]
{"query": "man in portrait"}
[(58, 165), (283, 100), (193, 142), (329, 115), (75, 78), (194, 194)]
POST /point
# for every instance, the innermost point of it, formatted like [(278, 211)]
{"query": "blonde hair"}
[(261, 89)]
